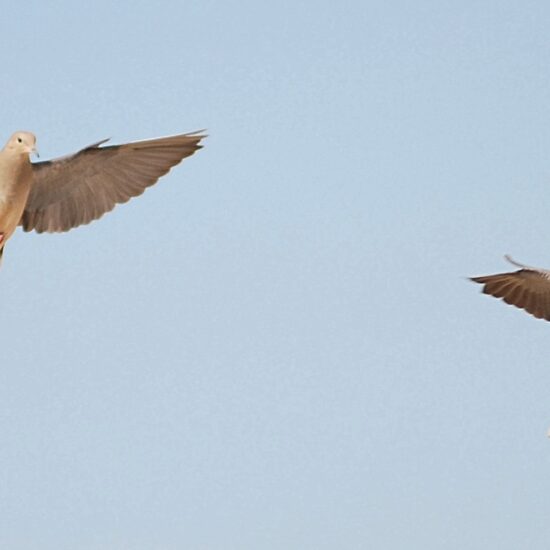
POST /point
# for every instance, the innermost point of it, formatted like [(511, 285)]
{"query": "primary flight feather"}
[(63, 193)]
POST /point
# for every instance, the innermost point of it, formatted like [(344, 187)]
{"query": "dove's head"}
[(23, 143)]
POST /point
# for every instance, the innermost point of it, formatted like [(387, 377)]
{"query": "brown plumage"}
[(528, 288), (63, 193), (74, 190)]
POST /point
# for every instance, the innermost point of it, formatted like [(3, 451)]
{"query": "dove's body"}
[(60, 194), (15, 182)]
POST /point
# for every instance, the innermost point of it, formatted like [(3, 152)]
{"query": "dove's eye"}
[(19, 140)]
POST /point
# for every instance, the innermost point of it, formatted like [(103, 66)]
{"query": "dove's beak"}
[(34, 151)]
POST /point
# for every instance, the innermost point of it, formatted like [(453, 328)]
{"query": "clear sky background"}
[(276, 346)]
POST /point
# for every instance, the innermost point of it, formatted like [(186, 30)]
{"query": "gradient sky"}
[(276, 346)]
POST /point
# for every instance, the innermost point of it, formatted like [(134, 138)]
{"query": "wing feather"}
[(528, 289), (77, 189)]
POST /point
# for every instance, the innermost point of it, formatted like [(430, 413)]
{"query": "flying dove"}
[(528, 288), (59, 194)]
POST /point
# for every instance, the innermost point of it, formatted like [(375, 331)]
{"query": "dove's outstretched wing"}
[(528, 288), (76, 189)]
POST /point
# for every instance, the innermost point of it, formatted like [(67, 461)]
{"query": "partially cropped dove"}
[(57, 195), (528, 288)]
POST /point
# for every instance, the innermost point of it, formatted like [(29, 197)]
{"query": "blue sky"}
[(277, 346)]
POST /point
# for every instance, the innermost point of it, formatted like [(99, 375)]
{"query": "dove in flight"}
[(59, 194), (527, 288)]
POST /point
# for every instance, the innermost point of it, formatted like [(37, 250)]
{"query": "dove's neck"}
[(14, 158), (15, 172), (13, 154)]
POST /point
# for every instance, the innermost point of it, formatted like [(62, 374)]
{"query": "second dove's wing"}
[(528, 289)]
